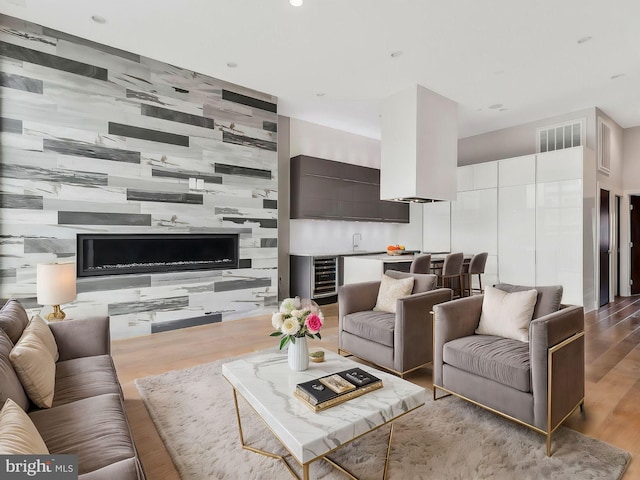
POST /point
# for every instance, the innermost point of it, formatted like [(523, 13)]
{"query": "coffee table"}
[(267, 383)]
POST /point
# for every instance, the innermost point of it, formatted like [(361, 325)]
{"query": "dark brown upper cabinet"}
[(324, 189)]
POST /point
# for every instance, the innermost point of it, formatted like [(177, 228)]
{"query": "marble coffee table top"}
[(267, 383)]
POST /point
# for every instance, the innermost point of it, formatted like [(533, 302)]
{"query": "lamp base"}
[(56, 315)]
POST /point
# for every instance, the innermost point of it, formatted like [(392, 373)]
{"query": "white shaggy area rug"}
[(447, 439)]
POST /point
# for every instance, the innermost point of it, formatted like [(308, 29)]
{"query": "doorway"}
[(634, 221), (617, 243), (605, 247)]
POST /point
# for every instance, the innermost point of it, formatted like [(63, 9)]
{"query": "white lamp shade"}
[(56, 283)]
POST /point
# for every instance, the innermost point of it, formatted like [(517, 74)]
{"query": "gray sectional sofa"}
[(87, 417)]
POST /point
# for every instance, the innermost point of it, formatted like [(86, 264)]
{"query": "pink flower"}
[(313, 323)]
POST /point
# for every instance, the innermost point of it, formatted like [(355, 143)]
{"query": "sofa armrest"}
[(357, 297), (549, 332), (451, 320), (82, 338), (413, 332)]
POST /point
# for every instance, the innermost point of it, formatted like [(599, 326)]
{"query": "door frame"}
[(599, 190), (625, 251)]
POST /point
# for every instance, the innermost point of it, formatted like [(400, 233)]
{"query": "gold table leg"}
[(305, 466)]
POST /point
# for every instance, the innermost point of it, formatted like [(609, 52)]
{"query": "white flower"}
[(290, 326), (276, 320), (289, 304), (296, 313)]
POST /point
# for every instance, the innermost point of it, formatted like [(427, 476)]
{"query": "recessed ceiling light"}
[(232, 64), (584, 39), (99, 19), (613, 77), (296, 3), (320, 94), (495, 106), (396, 53)]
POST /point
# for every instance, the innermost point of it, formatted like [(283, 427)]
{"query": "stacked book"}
[(334, 389)]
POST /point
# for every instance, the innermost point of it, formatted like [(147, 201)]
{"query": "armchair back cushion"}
[(391, 289), (422, 282), (507, 315), (549, 298)]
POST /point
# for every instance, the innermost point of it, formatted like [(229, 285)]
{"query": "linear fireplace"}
[(116, 254)]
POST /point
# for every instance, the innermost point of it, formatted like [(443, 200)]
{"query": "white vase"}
[(298, 355)]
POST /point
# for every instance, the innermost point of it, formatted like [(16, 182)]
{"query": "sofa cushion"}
[(35, 368), (38, 326), (128, 469), (95, 429), (391, 289), (13, 319), (548, 301), (507, 314), (501, 359), (18, 435), (422, 282), (375, 326), (10, 386), (83, 378)]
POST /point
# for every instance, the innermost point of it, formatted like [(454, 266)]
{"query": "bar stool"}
[(421, 264), (451, 270), (476, 267)]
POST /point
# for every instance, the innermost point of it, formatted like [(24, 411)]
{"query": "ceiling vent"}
[(419, 154)]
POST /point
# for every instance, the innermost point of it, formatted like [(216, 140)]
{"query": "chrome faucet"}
[(355, 241)]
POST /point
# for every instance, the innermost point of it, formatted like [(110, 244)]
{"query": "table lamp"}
[(55, 284)]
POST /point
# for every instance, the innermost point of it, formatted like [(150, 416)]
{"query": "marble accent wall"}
[(98, 140)]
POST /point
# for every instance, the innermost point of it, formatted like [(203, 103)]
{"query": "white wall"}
[(324, 142), (631, 159), (519, 140), (630, 186)]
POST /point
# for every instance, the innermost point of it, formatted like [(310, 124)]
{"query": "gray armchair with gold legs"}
[(399, 342), (538, 384)]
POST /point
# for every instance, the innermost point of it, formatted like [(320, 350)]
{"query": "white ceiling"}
[(522, 54)]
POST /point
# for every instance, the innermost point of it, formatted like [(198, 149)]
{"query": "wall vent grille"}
[(558, 137), (604, 146)]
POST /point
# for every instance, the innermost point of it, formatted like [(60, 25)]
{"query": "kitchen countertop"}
[(345, 253)]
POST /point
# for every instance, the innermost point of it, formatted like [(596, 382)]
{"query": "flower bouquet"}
[(297, 319)]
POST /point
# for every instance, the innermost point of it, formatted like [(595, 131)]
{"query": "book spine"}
[(305, 396), (347, 396)]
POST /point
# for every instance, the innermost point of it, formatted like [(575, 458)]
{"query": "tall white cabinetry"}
[(517, 220), (560, 233), (534, 215), (474, 216)]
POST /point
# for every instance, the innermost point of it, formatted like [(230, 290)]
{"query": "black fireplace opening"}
[(116, 254)]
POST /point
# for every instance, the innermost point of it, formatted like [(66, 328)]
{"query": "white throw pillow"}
[(38, 326), (18, 434), (392, 289), (507, 314), (35, 367)]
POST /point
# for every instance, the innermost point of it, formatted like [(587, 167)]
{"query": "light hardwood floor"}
[(612, 404)]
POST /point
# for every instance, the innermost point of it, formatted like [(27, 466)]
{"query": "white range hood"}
[(419, 153)]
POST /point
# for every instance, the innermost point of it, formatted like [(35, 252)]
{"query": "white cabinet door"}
[(559, 165), (478, 176), (517, 220), (436, 233), (559, 237), (474, 227), (517, 234)]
